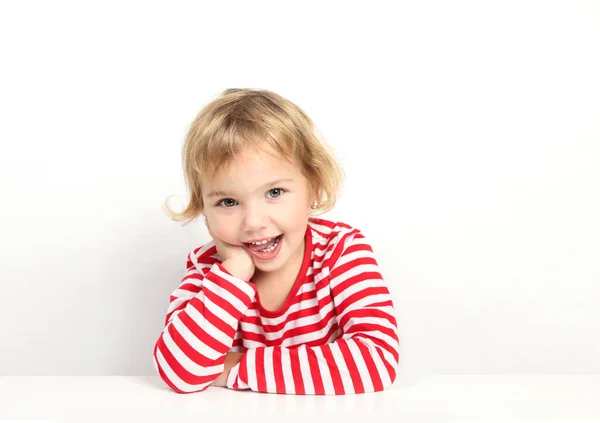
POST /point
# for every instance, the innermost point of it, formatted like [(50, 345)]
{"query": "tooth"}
[(262, 242)]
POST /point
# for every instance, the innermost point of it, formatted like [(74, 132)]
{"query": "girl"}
[(279, 301)]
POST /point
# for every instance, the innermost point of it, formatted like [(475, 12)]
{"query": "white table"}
[(472, 398)]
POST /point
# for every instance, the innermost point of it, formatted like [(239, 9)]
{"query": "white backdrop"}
[(469, 133)]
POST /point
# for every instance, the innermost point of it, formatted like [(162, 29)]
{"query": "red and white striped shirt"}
[(335, 334)]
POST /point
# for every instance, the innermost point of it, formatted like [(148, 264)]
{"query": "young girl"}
[(279, 301)]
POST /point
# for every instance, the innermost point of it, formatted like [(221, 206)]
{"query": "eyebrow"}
[(224, 193)]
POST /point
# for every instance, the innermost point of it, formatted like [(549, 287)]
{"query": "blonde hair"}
[(241, 118)]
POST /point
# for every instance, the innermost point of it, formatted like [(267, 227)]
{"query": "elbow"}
[(389, 375), (392, 373), (387, 356), (386, 382), (389, 381), (179, 386), (185, 391), (173, 381)]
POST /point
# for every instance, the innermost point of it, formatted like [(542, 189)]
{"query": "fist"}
[(234, 254)]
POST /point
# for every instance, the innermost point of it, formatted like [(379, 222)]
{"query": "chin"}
[(267, 267)]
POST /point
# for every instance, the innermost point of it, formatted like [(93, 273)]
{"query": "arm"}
[(201, 323), (364, 358)]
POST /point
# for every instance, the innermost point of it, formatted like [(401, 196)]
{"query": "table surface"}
[(434, 398)]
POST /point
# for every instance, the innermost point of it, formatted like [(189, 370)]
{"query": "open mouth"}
[(267, 247)]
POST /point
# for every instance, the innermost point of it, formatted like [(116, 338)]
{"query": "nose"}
[(255, 218)]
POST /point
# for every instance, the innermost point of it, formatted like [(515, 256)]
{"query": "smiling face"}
[(260, 195)]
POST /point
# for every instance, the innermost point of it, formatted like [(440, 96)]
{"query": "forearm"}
[(191, 351), (346, 366)]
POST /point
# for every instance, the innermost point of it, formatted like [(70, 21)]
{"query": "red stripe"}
[(253, 336), (260, 369), (205, 257), (343, 268), (325, 301), (228, 285), (315, 372), (173, 387), (169, 314), (374, 279), (352, 368), (323, 340), (339, 247), (311, 328), (392, 349), (193, 288), (321, 248), (190, 352), (302, 313), (369, 312), (336, 254), (259, 337), (181, 372), (387, 365), (387, 303), (305, 312), (366, 292), (243, 370), (161, 373), (296, 371), (369, 327), (216, 321), (338, 386), (358, 244), (202, 334), (373, 372), (223, 304), (278, 371)]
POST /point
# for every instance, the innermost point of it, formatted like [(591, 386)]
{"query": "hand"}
[(234, 257), (231, 359)]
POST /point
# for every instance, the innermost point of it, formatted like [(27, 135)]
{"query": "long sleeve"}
[(201, 322), (364, 358)]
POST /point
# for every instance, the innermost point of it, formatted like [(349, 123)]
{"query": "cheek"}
[(224, 230), (298, 220)]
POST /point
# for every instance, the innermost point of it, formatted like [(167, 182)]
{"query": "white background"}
[(469, 133)]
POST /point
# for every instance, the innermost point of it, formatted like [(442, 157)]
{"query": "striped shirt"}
[(335, 334)]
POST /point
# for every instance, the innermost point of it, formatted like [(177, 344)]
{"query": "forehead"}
[(259, 160), (253, 168)]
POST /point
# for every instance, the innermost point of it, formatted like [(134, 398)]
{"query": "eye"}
[(224, 202), (281, 190), (230, 202)]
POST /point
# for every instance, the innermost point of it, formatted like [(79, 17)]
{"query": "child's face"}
[(252, 209)]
